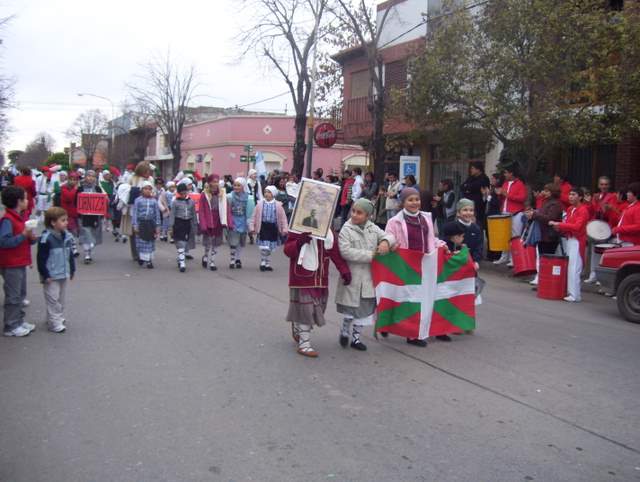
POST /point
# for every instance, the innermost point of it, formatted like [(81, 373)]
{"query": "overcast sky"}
[(56, 49)]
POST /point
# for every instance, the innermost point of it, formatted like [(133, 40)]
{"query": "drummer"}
[(513, 195), (604, 201), (627, 232)]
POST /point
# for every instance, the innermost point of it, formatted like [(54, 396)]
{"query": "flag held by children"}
[(422, 295)]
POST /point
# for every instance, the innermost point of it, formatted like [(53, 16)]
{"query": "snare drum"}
[(598, 231), (601, 248)]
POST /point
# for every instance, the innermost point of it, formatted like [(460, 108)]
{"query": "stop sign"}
[(325, 135)]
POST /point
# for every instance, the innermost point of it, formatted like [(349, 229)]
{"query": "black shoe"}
[(263, 268), (416, 342), (183, 269), (238, 264), (76, 254), (385, 334), (358, 345), (124, 240), (171, 241), (268, 268), (149, 265), (344, 341), (232, 265), (443, 338), (204, 262), (140, 262), (213, 267), (188, 256)]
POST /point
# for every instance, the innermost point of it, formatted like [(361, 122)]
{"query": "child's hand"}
[(383, 248), (476, 266)]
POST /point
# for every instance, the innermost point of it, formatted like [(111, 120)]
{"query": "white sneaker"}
[(58, 328), (29, 326), (591, 279), (570, 299), (509, 264), (26, 302), (534, 281), (502, 260), (18, 332)]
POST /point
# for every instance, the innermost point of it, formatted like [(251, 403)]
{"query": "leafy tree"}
[(14, 155), (535, 74)]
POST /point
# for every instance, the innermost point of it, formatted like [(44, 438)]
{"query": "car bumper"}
[(607, 278)]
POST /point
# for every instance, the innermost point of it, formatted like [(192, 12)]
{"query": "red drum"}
[(524, 258), (552, 279)]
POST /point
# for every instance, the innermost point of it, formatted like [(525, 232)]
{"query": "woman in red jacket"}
[(574, 241), (309, 284), (513, 195), (628, 229)]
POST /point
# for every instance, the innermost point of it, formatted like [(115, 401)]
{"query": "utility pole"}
[(312, 98)]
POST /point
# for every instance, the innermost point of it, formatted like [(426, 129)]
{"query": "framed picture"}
[(314, 209)]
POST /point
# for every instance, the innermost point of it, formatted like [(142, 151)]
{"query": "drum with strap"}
[(598, 231), (602, 247), (499, 232)]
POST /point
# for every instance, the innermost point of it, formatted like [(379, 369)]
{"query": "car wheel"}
[(629, 298)]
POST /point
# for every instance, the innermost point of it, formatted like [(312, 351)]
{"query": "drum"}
[(524, 258), (499, 228), (552, 281), (602, 247), (598, 231)]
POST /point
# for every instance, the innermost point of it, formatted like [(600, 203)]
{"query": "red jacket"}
[(345, 196), (300, 277), (513, 199), (628, 229), (606, 214), (68, 200), (565, 189), (575, 226), (20, 256)]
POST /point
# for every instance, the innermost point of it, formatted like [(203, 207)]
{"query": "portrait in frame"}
[(314, 209)]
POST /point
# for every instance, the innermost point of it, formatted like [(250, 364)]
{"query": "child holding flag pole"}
[(359, 241)]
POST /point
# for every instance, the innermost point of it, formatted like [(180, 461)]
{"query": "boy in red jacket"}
[(15, 255), (309, 284), (628, 229), (513, 195)]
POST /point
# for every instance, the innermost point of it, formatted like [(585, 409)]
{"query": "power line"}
[(428, 19), (263, 100)]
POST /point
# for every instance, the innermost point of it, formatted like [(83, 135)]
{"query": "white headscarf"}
[(273, 190)]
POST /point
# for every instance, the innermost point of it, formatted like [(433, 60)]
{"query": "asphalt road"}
[(164, 376)]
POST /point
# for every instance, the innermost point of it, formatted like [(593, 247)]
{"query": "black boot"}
[(416, 342)]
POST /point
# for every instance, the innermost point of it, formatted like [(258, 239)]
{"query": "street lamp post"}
[(113, 115)]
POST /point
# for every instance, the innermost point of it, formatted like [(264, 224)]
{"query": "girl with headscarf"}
[(146, 220), (214, 215), (269, 222), (242, 206), (90, 226), (359, 241)]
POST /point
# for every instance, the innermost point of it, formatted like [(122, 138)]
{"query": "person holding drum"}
[(604, 201), (551, 210), (513, 195), (574, 241), (627, 231)]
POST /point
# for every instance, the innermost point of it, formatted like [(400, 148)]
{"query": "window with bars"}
[(360, 84), (395, 75)]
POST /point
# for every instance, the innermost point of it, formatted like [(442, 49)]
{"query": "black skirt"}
[(181, 229), (268, 232), (146, 230)]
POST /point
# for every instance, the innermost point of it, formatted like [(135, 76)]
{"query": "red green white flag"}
[(422, 295)]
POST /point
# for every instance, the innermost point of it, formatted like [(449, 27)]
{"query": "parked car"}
[(619, 274)]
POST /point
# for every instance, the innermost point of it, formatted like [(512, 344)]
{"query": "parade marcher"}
[(346, 195), (574, 240), (242, 206), (253, 186), (309, 284), (473, 238), (127, 194), (15, 255), (565, 187), (68, 202), (214, 216), (26, 182), (183, 224), (513, 195), (56, 265), (57, 181), (550, 210), (413, 229), (604, 201), (108, 187), (90, 225), (359, 241), (282, 196), (165, 199), (43, 197), (627, 232), (146, 221), (269, 222)]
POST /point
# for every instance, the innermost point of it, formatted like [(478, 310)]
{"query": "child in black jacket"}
[(465, 216)]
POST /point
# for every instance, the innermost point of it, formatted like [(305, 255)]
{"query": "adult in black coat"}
[(473, 188)]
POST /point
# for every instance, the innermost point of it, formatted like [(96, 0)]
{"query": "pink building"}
[(215, 145)]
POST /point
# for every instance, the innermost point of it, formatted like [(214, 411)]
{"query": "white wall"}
[(403, 17)]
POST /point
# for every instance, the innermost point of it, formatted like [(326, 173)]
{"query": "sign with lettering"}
[(93, 204), (195, 196), (325, 135)]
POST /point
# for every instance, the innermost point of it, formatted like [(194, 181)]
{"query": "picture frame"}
[(314, 208)]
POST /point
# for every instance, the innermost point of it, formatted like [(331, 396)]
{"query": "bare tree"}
[(37, 151), (6, 93), (164, 91), (360, 18), (89, 129), (285, 33)]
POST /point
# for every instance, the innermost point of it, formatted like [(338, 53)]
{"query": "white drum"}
[(598, 231)]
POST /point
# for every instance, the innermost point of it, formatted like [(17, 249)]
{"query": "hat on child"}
[(272, 189), (147, 184), (406, 192), (464, 203), (452, 228), (365, 205), (182, 188)]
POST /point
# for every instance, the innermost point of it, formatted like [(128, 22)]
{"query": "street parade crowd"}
[(370, 220)]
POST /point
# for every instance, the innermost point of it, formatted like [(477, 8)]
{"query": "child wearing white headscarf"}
[(242, 207), (269, 222)]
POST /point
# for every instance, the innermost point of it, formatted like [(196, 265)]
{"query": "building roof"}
[(348, 54)]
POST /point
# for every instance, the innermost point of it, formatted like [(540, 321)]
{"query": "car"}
[(619, 275)]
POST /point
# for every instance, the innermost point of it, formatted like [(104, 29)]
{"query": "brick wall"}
[(628, 161)]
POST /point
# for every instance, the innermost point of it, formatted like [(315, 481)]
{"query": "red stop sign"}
[(325, 135)]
